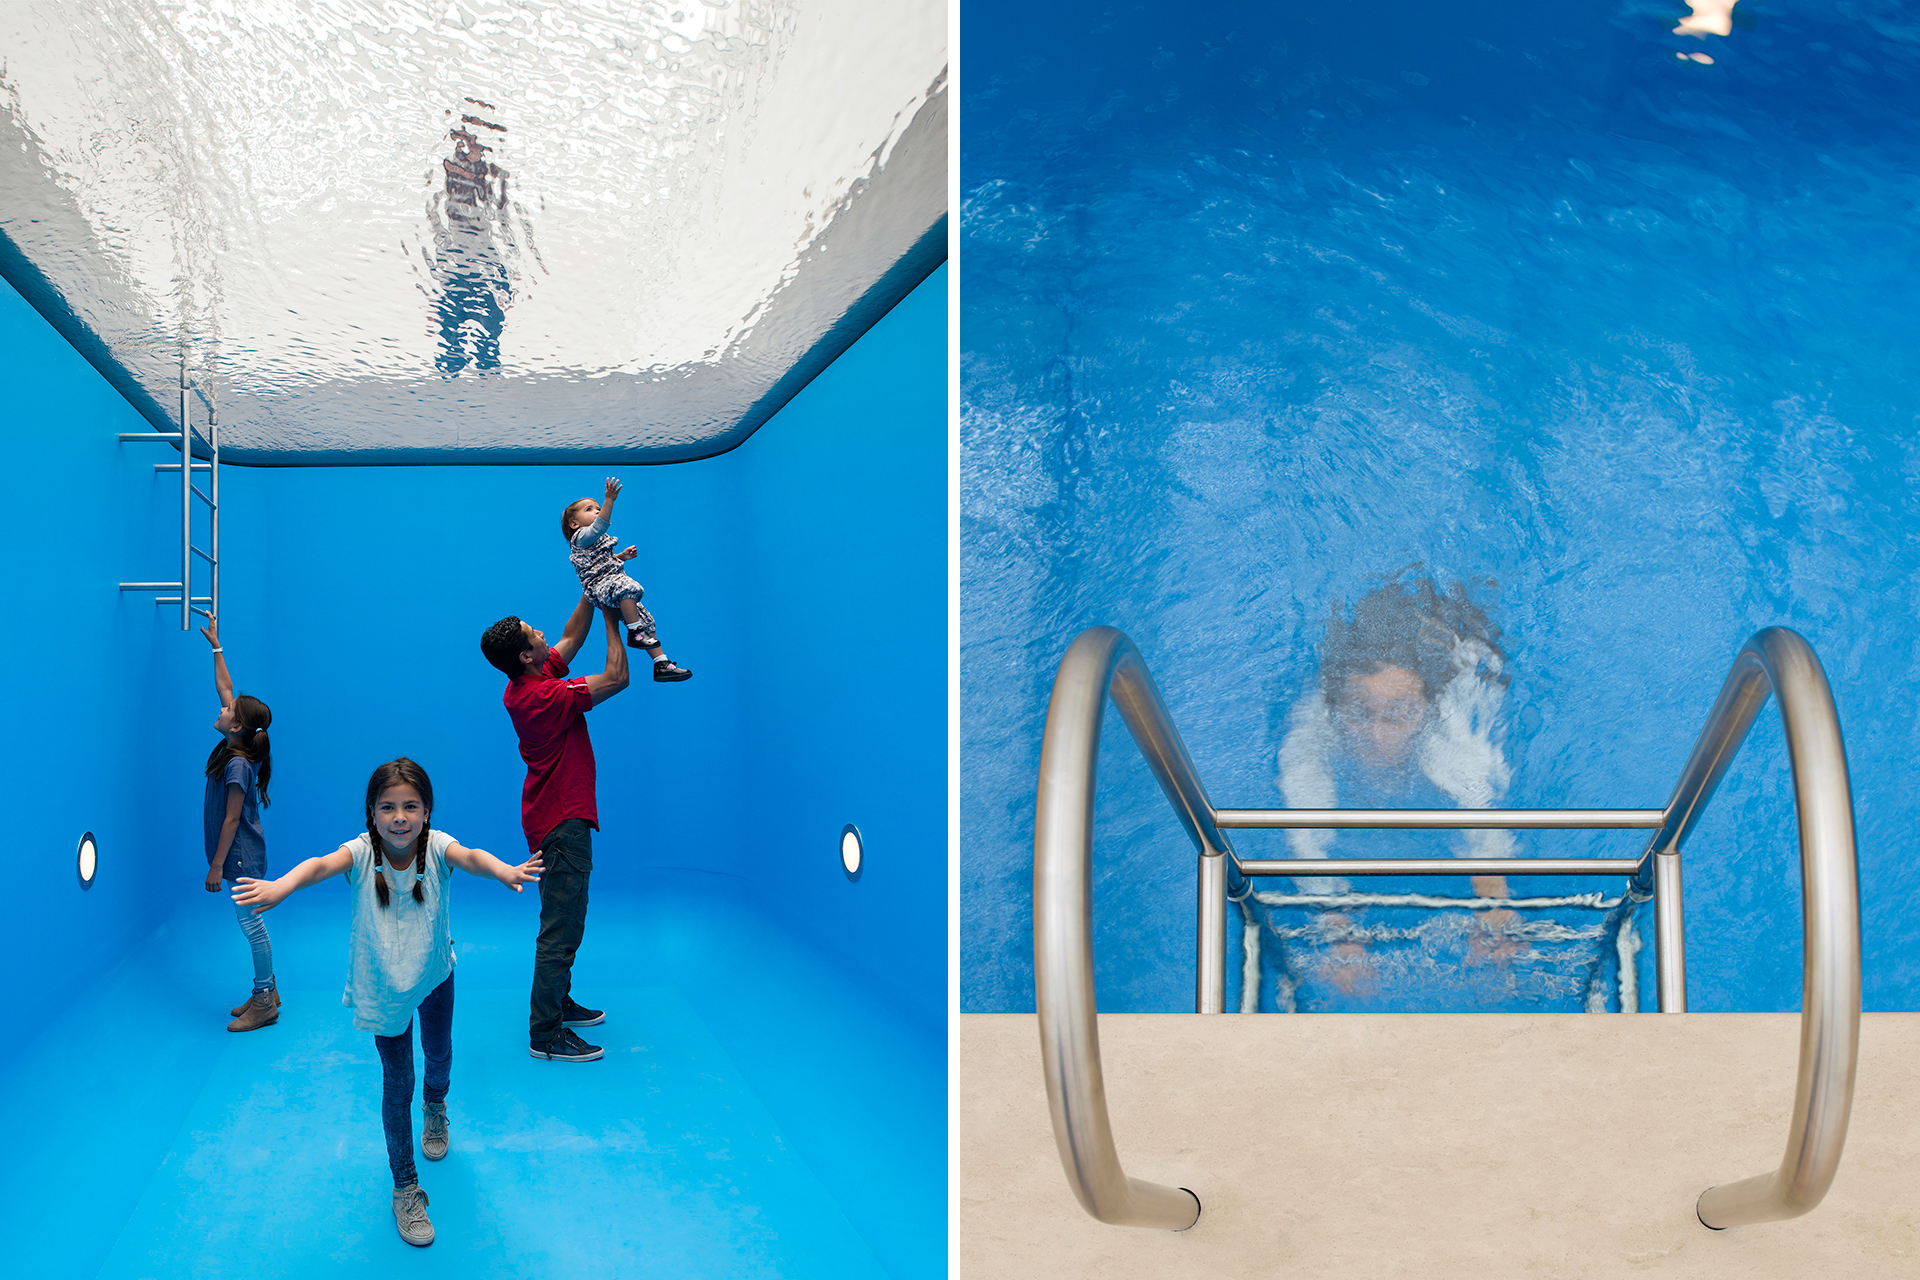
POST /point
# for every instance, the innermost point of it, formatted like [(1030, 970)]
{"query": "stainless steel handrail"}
[(1778, 660), (1101, 661)]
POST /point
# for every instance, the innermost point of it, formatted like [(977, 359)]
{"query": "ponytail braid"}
[(420, 852)]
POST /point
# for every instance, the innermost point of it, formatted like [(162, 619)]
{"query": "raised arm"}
[(575, 633), (614, 678), (479, 862), (265, 895), (222, 682), (606, 503)]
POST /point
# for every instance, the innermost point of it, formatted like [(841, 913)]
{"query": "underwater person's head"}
[(1383, 665)]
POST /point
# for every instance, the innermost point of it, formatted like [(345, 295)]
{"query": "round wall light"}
[(852, 851), (86, 860)]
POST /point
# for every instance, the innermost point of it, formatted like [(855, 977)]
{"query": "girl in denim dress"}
[(238, 770)]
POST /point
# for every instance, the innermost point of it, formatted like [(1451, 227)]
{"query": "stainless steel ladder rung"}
[(184, 437)]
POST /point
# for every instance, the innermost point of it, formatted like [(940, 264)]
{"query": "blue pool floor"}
[(755, 1115)]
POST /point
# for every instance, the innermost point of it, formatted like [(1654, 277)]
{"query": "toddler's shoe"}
[(578, 1015), (242, 1006), (257, 1012), (433, 1130), (667, 671), (565, 1047), (410, 1215)]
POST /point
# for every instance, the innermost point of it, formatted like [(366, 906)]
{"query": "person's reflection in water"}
[(469, 263), (1407, 715)]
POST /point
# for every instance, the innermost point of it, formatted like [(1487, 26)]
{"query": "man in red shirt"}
[(548, 708)]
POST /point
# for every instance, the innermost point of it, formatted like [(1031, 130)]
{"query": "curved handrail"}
[(1780, 661), (1101, 661)]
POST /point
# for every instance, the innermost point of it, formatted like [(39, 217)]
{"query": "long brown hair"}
[(399, 773), (251, 718)]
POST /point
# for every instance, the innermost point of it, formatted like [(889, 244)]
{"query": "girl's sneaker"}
[(433, 1130), (410, 1215), (667, 671)]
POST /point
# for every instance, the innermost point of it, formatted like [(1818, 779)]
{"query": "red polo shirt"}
[(549, 713)]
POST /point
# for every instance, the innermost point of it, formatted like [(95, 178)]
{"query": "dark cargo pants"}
[(567, 854)]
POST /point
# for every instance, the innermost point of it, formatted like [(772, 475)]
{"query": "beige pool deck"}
[(1545, 1146)]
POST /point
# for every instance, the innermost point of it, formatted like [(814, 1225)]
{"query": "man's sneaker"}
[(410, 1215), (433, 1130), (257, 1012), (565, 1047), (242, 1006), (576, 1015), (666, 671)]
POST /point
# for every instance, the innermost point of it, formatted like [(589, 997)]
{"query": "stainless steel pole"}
[(1099, 659), (1210, 936), (186, 503), (1669, 933), (213, 531), (1830, 912)]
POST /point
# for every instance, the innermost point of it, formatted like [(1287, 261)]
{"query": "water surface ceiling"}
[(470, 231)]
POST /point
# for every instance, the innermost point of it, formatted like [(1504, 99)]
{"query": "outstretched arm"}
[(481, 863), (222, 682), (614, 678), (265, 895), (575, 633), (606, 503)]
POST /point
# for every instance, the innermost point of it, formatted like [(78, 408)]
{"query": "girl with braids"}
[(400, 957), (237, 774)]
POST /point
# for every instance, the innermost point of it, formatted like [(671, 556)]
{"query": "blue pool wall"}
[(1258, 310), (802, 576)]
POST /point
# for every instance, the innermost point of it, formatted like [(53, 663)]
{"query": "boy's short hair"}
[(503, 643)]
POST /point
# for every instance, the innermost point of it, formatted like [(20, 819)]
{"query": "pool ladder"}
[(1103, 663), (189, 491)]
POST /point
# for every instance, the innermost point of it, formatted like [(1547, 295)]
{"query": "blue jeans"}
[(396, 1076), (255, 929), (567, 854)]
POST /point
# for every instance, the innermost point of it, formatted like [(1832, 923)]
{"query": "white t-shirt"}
[(400, 952)]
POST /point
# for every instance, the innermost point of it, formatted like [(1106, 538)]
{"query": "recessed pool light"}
[(86, 860), (852, 851)]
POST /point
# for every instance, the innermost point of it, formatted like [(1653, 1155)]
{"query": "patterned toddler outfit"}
[(604, 580)]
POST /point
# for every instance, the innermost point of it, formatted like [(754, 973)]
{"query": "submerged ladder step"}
[(1438, 866), (1442, 819)]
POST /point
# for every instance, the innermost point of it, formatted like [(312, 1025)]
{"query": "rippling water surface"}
[(1618, 343), (381, 229)]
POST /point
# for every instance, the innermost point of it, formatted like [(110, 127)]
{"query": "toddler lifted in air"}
[(605, 582)]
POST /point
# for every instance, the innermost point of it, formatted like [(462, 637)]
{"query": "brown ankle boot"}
[(241, 1008), (257, 1012)]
